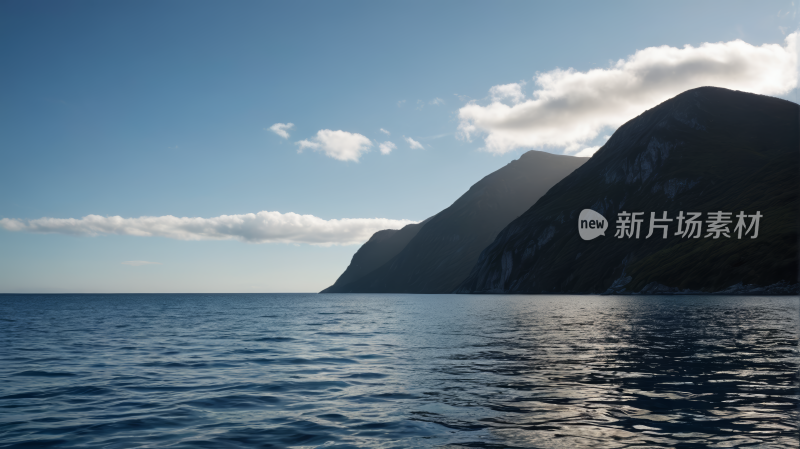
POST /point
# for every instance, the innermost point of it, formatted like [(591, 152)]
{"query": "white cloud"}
[(401, 103), (139, 263), (511, 91), (437, 101), (386, 132), (282, 129), (387, 147), (570, 108), (340, 145), (414, 144), (587, 152), (261, 227)]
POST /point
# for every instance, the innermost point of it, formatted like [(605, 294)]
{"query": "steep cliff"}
[(447, 246), (706, 150), (379, 249)]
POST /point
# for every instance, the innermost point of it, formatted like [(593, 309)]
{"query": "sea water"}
[(379, 370)]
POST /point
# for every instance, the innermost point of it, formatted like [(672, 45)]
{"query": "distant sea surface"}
[(336, 371)]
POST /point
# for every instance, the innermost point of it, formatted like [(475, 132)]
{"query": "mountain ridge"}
[(443, 251), (381, 247), (705, 149)]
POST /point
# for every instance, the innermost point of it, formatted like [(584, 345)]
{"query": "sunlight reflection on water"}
[(397, 371)]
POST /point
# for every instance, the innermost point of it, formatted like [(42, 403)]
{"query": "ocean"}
[(397, 371)]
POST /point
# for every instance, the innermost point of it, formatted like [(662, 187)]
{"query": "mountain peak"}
[(446, 247), (707, 149)]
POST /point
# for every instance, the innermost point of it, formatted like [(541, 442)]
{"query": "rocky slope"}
[(706, 150), (379, 249), (447, 246)]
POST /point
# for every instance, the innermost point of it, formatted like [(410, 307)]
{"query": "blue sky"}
[(153, 109)]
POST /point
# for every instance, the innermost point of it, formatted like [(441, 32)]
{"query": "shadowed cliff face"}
[(379, 249), (447, 245), (706, 150)]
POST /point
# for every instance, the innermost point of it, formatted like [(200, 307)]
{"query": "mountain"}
[(705, 150), (447, 245), (379, 249)]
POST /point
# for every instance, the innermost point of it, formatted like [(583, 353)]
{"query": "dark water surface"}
[(332, 371)]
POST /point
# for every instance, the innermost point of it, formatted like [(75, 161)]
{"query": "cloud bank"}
[(340, 145), (587, 152), (282, 129), (569, 108), (262, 227)]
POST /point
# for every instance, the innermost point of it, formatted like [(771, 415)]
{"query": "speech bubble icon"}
[(591, 224)]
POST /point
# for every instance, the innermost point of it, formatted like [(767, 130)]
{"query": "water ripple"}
[(344, 371)]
